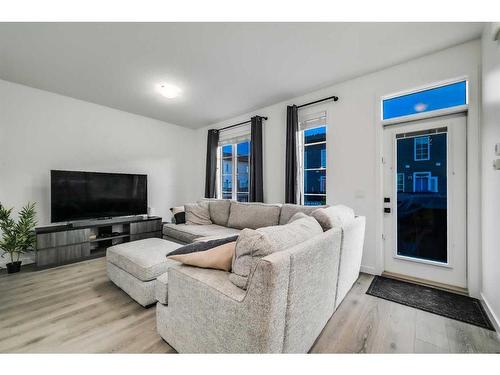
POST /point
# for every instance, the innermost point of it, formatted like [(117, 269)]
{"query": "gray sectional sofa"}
[(288, 299)]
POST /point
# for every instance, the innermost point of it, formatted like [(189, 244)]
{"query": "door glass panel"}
[(227, 166), (315, 182), (227, 182), (315, 156), (314, 200), (315, 135), (227, 151), (422, 197), (242, 197), (242, 183), (242, 170)]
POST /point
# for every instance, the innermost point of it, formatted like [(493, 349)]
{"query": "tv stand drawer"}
[(56, 239), (145, 227), (62, 254), (143, 236)]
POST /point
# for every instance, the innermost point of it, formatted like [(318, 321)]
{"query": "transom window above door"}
[(431, 101)]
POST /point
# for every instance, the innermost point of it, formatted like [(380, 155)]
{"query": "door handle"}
[(387, 210)]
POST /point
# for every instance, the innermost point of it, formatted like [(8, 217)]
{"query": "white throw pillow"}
[(333, 217)]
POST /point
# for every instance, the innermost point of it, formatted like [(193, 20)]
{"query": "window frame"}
[(428, 114), (234, 172), (302, 169), (402, 175), (415, 158)]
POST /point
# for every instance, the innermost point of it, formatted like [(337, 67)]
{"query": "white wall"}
[(40, 131), (354, 140), (490, 178)]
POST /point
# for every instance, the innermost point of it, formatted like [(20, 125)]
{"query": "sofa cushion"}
[(143, 259), (189, 233), (255, 244), (197, 279), (334, 217), (288, 210), (253, 215), (219, 210)]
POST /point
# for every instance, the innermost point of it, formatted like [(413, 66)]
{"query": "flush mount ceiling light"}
[(169, 91)]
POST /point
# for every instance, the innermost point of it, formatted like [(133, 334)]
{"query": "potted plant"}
[(17, 237)]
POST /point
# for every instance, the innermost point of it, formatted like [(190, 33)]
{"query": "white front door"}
[(425, 200)]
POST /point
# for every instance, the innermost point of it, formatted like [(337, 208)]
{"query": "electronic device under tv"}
[(94, 195)]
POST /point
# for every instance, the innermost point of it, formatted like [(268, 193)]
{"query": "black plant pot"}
[(14, 267)]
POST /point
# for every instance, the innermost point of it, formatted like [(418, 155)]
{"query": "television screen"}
[(91, 195)]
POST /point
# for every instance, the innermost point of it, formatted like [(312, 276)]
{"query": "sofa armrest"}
[(351, 254)]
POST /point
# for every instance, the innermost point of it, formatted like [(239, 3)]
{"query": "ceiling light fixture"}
[(169, 91)]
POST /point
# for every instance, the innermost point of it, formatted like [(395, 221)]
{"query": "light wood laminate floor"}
[(75, 308)]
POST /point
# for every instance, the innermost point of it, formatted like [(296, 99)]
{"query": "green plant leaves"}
[(17, 237)]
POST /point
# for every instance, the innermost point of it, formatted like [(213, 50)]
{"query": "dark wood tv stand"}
[(62, 244)]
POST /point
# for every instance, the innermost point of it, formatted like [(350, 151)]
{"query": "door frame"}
[(473, 188), (456, 273)]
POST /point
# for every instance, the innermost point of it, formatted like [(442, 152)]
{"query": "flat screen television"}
[(94, 195)]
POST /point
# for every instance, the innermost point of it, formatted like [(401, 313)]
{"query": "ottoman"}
[(134, 266)]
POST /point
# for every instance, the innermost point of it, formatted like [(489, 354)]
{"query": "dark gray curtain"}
[(211, 174), (256, 192), (292, 127)]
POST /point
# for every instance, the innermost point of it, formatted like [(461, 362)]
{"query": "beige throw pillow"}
[(197, 213), (219, 258)]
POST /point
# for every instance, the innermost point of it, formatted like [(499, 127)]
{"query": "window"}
[(422, 149), (432, 99), (421, 182), (234, 169), (312, 141), (401, 182)]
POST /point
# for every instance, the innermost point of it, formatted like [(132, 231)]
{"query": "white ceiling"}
[(224, 69)]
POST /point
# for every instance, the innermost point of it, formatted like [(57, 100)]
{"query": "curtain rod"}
[(238, 124), (335, 98)]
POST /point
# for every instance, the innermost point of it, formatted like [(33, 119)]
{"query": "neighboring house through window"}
[(401, 182), (422, 148), (423, 182)]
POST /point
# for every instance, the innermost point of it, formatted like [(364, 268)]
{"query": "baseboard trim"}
[(494, 319), (369, 270)]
